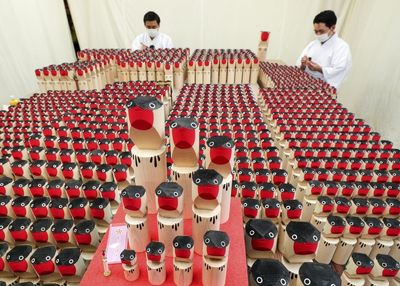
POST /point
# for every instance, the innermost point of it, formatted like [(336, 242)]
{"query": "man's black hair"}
[(151, 16), (327, 17)]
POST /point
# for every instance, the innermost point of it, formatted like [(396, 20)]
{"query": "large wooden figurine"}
[(215, 258), (169, 216), (183, 260)]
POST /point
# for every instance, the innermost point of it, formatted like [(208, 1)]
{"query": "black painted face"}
[(183, 242), (19, 253), (128, 256), (58, 203), (302, 232), (53, 164), (21, 183), (169, 190), (220, 142), (362, 260), (216, 243), (389, 264), (78, 203), (43, 254), (373, 222), (291, 205), (3, 249), (73, 184), (4, 223), (4, 181), (261, 229), (56, 184), (19, 224), (342, 201), (91, 185), (204, 177), (23, 201), (184, 122), (325, 200), (354, 221), (359, 202), (84, 227), (133, 192), (145, 102), (41, 225), (38, 163), (155, 250), (318, 274), (377, 202), (269, 272), (68, 256), (62, 225), (99, 203)]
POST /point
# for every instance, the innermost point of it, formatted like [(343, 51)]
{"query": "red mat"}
[(237, 269)]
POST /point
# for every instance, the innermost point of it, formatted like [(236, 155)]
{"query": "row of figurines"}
[(333, 224), (215, 251), (206, 194), (24, 170), (323, 206), (45, 262), (299, 241), (100, 208), (362, 196), (85, 233), (360, 266)]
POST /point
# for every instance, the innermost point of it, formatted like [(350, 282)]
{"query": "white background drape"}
[(369, 26), (33, 33)]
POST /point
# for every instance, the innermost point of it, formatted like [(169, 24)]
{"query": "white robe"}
[(333, 56), (162, 41)]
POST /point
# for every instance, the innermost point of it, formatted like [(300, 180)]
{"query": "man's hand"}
[(143, 46), (314, 66), (304, 61)]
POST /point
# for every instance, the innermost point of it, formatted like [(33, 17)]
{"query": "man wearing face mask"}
[(328, 57), (152, 38)]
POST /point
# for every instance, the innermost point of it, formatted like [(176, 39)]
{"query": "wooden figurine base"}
[(369, 281), (183, 176), (381, 247), (395, 250), (364, 245), (214, 271), (293, 268), (131, 273), (308, 208), (318, 222), (150, 171), (156, 272), (346, 280), (168, 228), (138, 233), (226, 198), (326, 249), (204, 220), (183, 273), (344, 250)]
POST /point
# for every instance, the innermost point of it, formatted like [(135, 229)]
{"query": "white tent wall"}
[(372, 90), (33, 33)]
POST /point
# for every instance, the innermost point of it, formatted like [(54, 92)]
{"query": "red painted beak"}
[(44, 268), (208, 192), (182, 253), (169, 204), (141, 119), (220, 155), (262, 244), (216, 251), (304, 248), (132, 204), (183, 137), (363, 270)]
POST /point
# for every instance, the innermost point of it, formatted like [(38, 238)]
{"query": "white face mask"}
[(323, 37), (152, 33)]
